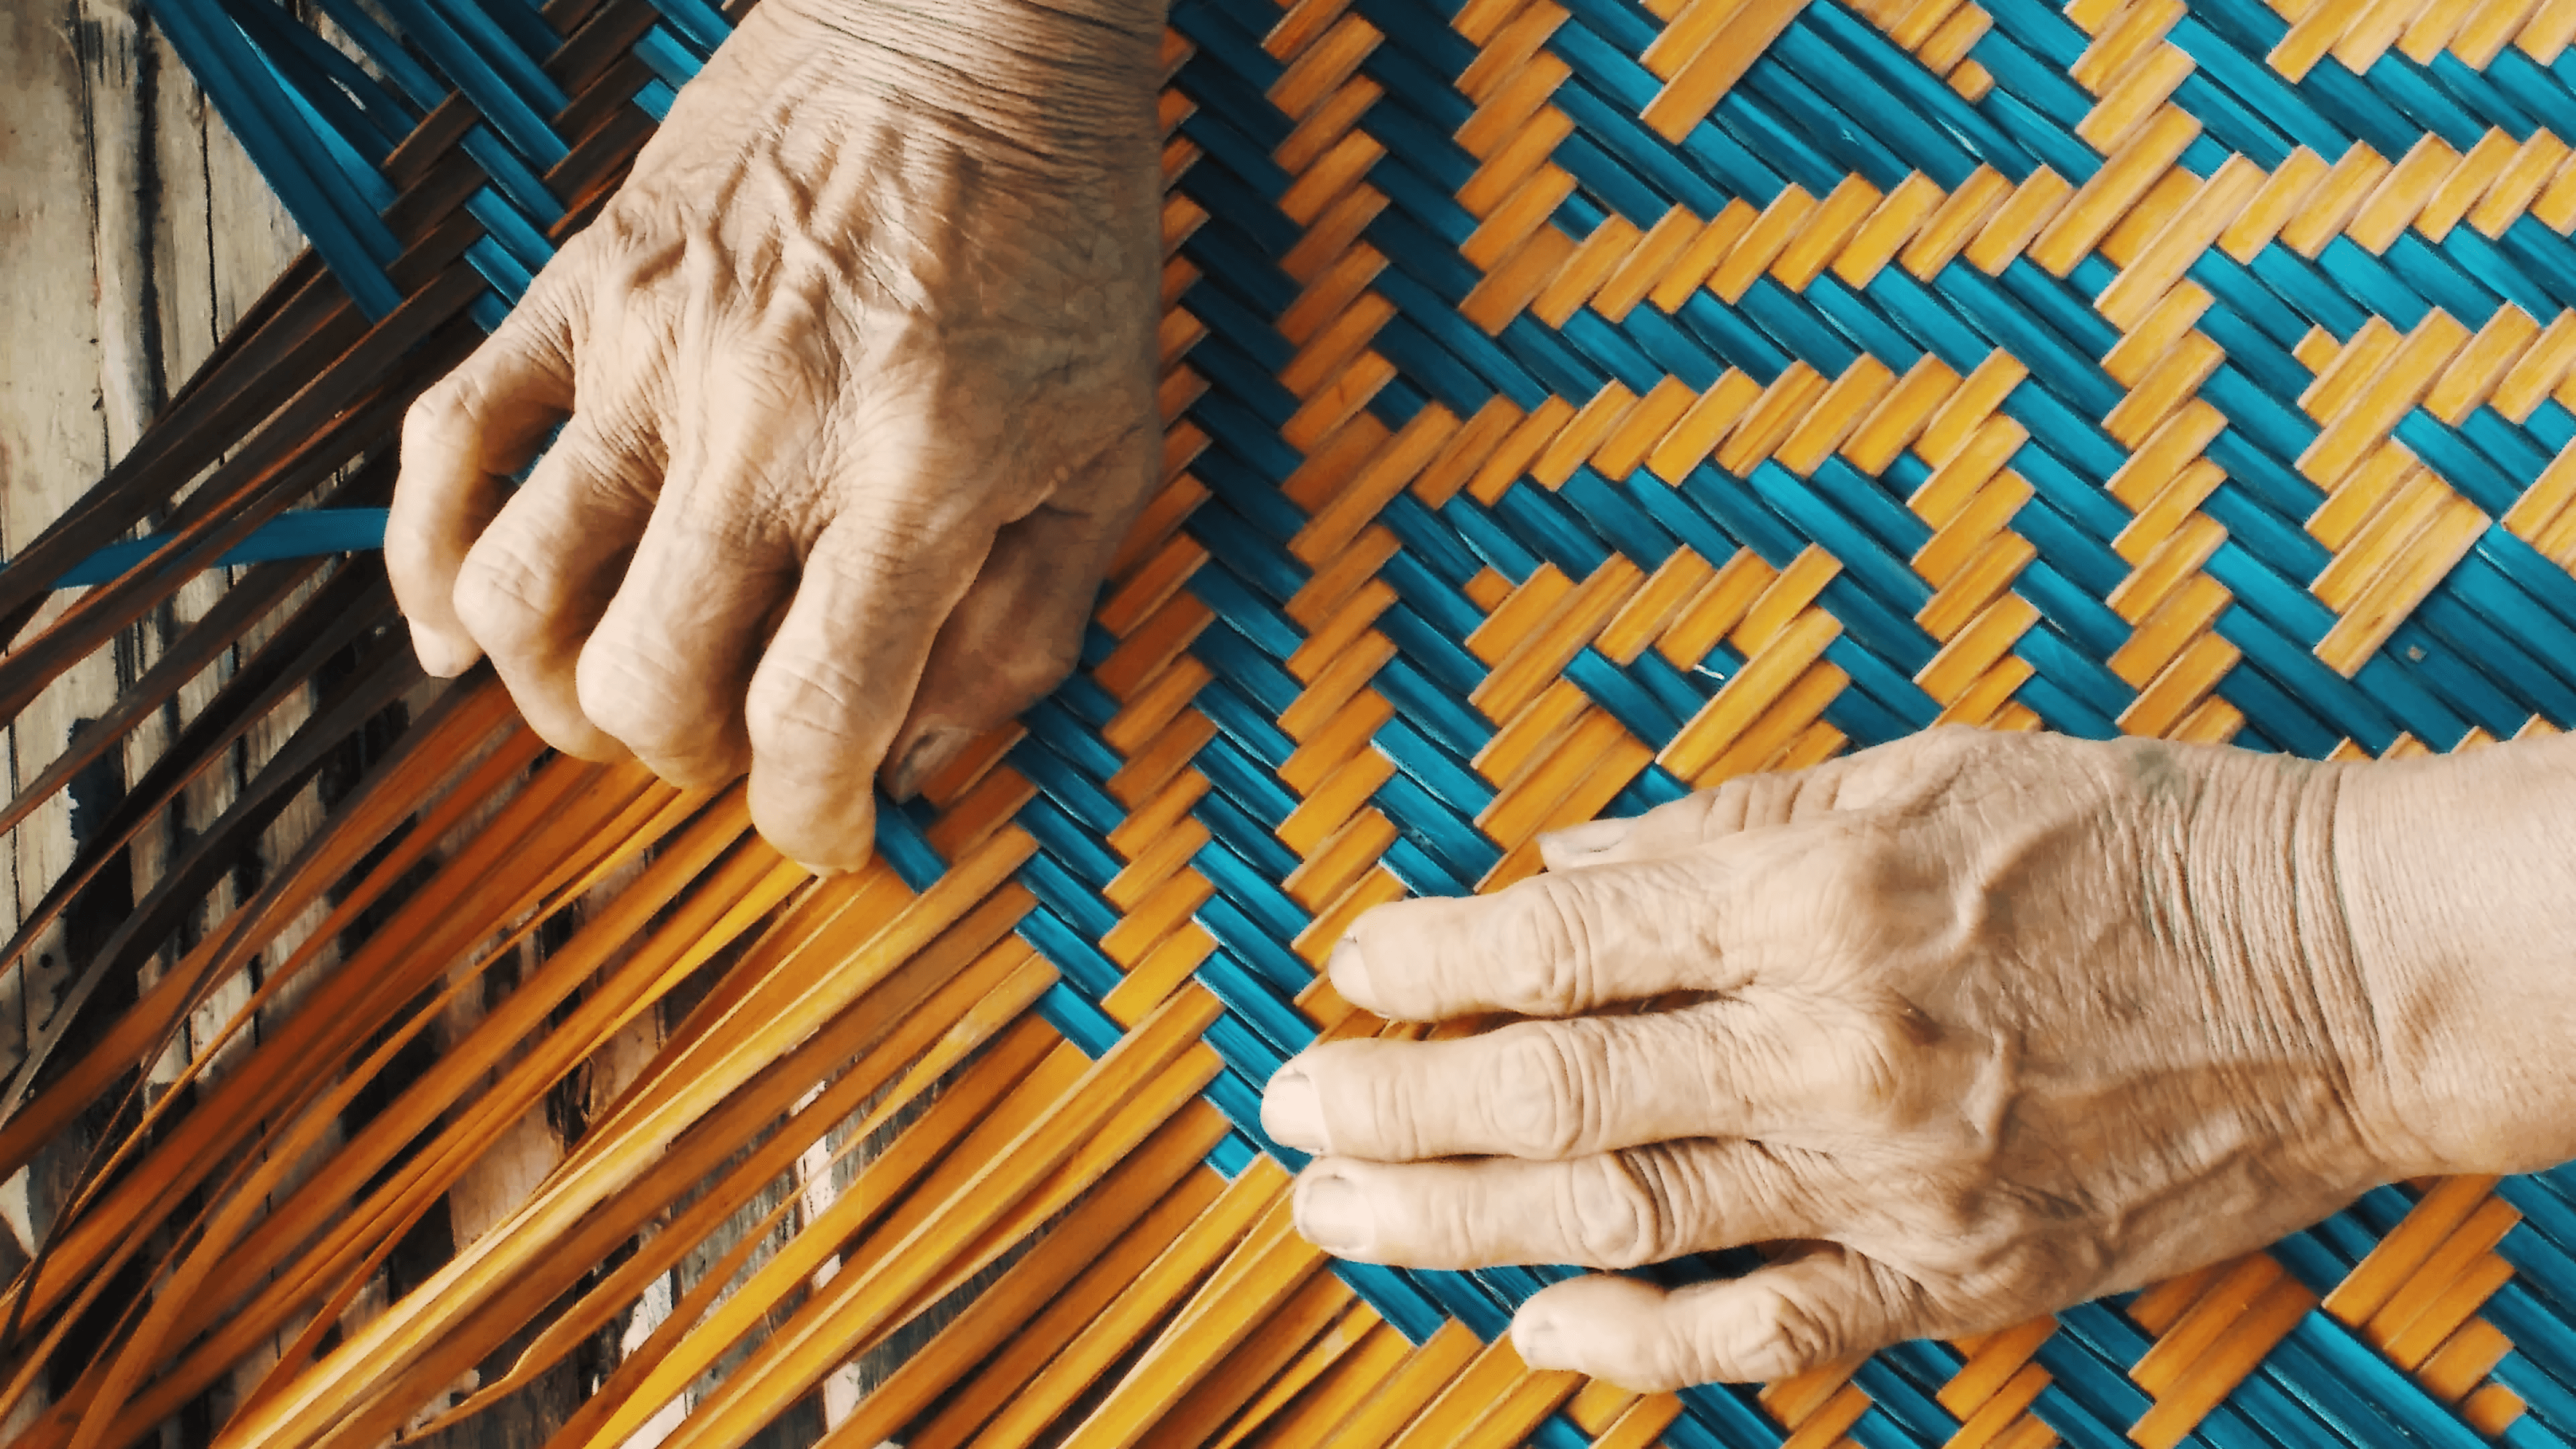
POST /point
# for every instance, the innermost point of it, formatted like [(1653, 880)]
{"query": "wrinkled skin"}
[(1977, 1025), (856, 382), (855, 379)]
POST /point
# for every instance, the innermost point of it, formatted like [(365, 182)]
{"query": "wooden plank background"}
[(133, 231)]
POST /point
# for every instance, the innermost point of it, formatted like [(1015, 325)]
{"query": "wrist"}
[(2285, 977), (1062, 79), (2458, 877)]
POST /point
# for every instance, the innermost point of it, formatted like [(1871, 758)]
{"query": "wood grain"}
[(134, 231)]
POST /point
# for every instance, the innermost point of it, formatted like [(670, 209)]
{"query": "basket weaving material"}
[(1573, 403)]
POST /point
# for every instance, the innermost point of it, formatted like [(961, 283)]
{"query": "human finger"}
[(1824, 1304), (1554, 944), (666, 671), (1540, 1089), (1755, 802), (1018, 631), (535, 584), (1747, 802), (837, 679), (1604, 1210), (460, 441)]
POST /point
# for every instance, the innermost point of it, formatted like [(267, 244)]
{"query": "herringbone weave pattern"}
[(1575, 402)]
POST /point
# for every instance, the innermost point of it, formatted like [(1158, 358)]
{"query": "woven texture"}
[(1573, 404)]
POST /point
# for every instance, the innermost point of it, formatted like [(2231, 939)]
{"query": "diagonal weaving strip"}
[(1576, 402)]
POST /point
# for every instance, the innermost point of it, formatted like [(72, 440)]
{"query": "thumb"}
[(1826, 1304)]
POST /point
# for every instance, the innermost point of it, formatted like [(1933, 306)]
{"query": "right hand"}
[(856, 377)]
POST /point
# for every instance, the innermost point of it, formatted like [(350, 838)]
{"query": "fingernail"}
[(928, 756), (1292, 1113), (1334, 1215), (1575, 842), (1349, 974), (1540, 1341), (441, 656)]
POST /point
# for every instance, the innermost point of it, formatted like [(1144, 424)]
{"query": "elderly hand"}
[(1978, 1025), (856, 383)]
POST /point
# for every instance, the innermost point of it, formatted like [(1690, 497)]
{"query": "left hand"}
[(1981, 1025)]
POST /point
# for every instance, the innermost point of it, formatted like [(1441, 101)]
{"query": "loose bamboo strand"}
[(146, 1025), (747, 886), (1000, 1069), (1281, 1332), (380, 678), (1161, 1288), (1016, 1323), (692, 1336), (1366, 1370), (1135, 1087), (998, 1008), (548, 1267), (1355, 1326), (1271, 1264), (194, 1283), (319, 1397), (331, 1021), (1381, 1415)]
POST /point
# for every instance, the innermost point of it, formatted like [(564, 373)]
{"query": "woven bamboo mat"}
[(1571, 403)]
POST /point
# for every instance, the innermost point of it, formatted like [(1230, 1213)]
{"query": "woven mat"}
[(1576, 402)]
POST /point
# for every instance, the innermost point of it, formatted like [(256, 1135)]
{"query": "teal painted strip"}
[(301, 534)]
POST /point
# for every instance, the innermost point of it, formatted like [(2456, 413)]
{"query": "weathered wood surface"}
[(133, 231)]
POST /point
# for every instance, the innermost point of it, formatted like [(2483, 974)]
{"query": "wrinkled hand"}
[(1978, 1025), (856, 383)]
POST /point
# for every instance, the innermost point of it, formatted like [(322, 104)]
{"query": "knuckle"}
[(1870, 1069), (1552, 942), (448, 408), (803, 704), (1789, 1332), (2034, 1277), (1653, 1357), (412, 555), (981, 688), (626, 429), (505, 599), (1702, 815), (655, 706), (1619, 1212), (900, 545), (1866, 889), (1955, 1210), (1854, 871), (821, 827), (1545, 1093), (1025, 674), (1771, 799)]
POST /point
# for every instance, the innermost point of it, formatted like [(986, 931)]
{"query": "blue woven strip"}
[(289, 152), (2492, 647), (304, 533)]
